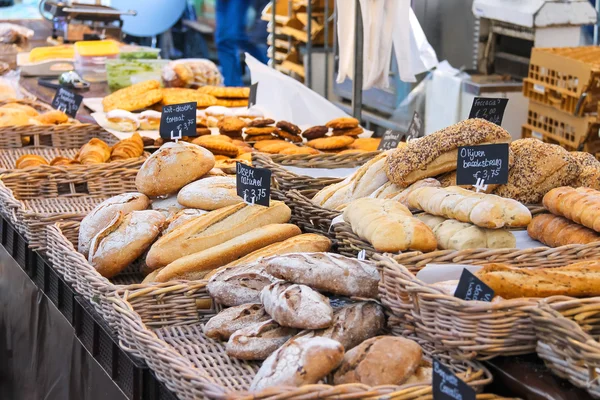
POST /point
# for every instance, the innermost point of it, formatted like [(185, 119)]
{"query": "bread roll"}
[(172, 167), (327, 272), (213, 229), (296, 306), (580, 205), (388, 226), (258, 341), (538, 168), (557, 231), (197, 265), (210, 193), (124, 239), (301, 361), (239, 285), (181, 217), (437, 153), (454, 235), (589, 170), (104, 213), (230, 320), (382, 360)]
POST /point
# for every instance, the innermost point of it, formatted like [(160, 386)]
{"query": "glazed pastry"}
[(149, 120), (122, 121)]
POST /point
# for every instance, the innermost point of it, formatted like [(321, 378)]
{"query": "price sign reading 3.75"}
[(253, 184)]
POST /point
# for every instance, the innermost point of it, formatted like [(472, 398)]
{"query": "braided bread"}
[(581, 205)]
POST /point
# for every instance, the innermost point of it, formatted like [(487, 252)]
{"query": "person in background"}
[(231, 37)]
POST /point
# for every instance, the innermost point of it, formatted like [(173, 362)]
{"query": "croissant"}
[(53, 117), (94, 152), (30, 160), (62, 161), (132, 147), (581, 205)]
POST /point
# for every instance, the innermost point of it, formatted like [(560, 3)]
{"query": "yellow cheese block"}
[(97, 48), (39, 54)]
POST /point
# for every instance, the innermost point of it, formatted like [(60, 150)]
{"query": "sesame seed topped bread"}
[(589, 170)]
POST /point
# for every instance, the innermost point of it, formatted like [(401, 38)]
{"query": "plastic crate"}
[(566, 78), (552, 126)]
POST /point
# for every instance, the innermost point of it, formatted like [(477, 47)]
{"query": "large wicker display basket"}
[(568, 332), (194, 366), (470, 329)]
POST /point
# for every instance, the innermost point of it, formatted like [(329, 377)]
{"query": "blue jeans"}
[(230, 37)]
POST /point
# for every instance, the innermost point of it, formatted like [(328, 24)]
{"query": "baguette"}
[(197, 265), (484, 210), (555, 231), (214, 228), (437, 153), (581, 205), (388, 226), (258, 341), (577, 280), (230, 320)]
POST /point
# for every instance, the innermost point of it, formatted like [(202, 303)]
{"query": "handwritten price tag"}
[(490, 109), (481, 165), (178, 120), (67, 102), (471, 287), (253, 184), (447, 386)]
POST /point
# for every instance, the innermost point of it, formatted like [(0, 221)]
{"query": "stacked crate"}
[(563, 86)]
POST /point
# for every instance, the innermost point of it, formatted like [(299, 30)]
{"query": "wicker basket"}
[(194, 366), (311, 217), (72, 135), (472, 329), (349, 244)]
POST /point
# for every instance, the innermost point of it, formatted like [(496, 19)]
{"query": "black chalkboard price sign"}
[(67, 101), (488, 108), (252, 96), (390, 140), (253, 184), (485, 164), (447, 386), (178, 120), (471, 287), (416, 127)]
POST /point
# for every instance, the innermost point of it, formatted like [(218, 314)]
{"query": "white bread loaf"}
[(167, 205), (210, 193), (181, 217)]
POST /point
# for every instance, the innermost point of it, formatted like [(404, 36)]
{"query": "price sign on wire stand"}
[(488, 108), (390, 140), (253, 184), (416, 129), (482, 165), (67, 102), (471, 287), (178, 120), (252, 96), (447, 386)]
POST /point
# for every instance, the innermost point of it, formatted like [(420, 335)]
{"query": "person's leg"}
[(226, 36), (244, 42)]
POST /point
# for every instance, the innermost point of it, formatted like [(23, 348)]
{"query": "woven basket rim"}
[(321, 160)]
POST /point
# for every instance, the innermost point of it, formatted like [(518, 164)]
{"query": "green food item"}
[(120, 72), (139, 55)]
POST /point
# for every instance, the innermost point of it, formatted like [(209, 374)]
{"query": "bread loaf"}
[(555, 231), (402, 197), (296, 306), (181, 217), (123, 240), (104, 213), (230, 320), (579, 205), (382, 360), (301, 361), (581, 279), (589, 170), (538, 167), (258, 341), (239, 285), (167, 205), (172, 167), (449, 179), (327, 272), (214, 228), (437, 153), (454, 235), (197, 265), (210, 193), (388, 226), (484, 210)]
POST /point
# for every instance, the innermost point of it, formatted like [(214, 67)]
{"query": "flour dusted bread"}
[(301, 361), (258, 341), (296, 306), (327, 272), (581, 205), (555, 231), (210, 193), (228, 321), (213, 229), (239, 285), (172, 167), (124, 239), (167, 205), (388, 226), (382, 360), (437, 153), (104, 213), (181, 217)]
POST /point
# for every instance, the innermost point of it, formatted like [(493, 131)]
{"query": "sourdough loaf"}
[(258, 341), (230, 320), (210, 193), (239, 285)]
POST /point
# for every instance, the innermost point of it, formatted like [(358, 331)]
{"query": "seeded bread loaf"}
[(589, 170)]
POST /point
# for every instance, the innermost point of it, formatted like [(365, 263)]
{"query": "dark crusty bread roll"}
[(239, 285), (589, 170), (382, 360), (258, 341), (555, 231), (327, 272), (437, 153), (301, 361), (225, 323)]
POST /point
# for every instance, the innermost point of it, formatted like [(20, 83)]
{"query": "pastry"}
[(227, 92), (231, 124), (54, 117), (132, 147), (578, 205), (215, 228), (209, 193), (182, 95), (298, 150), (330, 143), (135, 97), (217, 146), (315, 132), (228, 321), (149, 120), (258, 341), (218, 112), (180, 218), (256, 131), (301, 361), (122, 121), (94, 152), (28, 110), (260, 122), (589, 170), (58, 161), (327, 272), (203, 131), (348, 132), (437, 153), (289, 127), (231, 102), (123, 240), (191, 73), (250, 113), (367, 144), (343, 123), (296, 306), (275, 148), (11, 117), (288, 136), (264, 143), (260, 138), (555, 231), (172, 167), (388, 226), (30, 160)]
